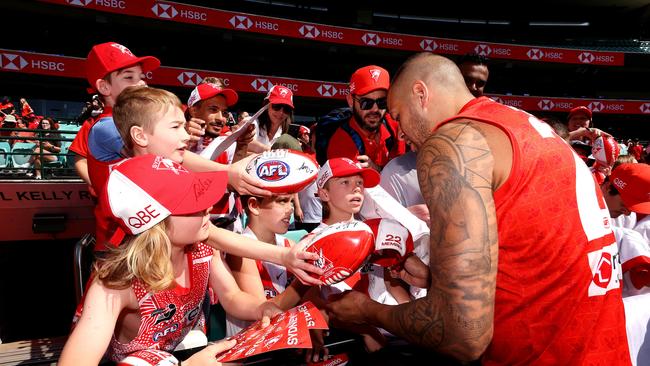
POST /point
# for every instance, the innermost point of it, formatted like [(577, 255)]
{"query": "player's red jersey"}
[(558, 296)]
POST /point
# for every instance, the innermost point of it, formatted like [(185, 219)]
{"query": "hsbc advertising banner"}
[(73, 67), (216, 18)]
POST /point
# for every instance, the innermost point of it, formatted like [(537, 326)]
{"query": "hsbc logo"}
[(645, 108), (428, 45), (189, 78), (497, 99), (483, 50), (262, 85), (371, 39), (10, 61), (241, 22), (546, 104), (79, 2), (309, 31), (596, 106), (165, 11), (586, 57), (535, 54), (327, 90)]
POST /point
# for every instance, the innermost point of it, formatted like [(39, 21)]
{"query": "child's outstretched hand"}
[(268, 310), (243, 182), (207, 356), (294, 260)]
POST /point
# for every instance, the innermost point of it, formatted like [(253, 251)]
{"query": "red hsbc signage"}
[(551, 104), (216, 18), (73, 67)]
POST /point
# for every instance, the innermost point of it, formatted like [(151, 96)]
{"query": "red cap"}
[(633, 183), (108, 57), (144, 190), (209, 90), (304, 129), (344, 167), (581, 109), (368, 79), (280, 95)]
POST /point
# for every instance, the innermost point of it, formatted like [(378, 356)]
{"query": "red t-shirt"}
[(342, 146), (558, 292)]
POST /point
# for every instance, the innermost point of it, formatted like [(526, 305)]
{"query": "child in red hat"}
[(148, 292)]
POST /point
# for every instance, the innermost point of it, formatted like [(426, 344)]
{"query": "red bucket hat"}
[(144, 190), (108, 57), (580, 110)]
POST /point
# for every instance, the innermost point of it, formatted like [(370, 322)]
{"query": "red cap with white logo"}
[(280, 95), (368, 79), (144, 190), (108, 57), (632, 180), (344, 167), (208, 90), (580, 110)]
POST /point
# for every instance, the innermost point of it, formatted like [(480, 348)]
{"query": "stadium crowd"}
[(485, 180)]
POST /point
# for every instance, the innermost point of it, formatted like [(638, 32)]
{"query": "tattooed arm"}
[(455, 169)]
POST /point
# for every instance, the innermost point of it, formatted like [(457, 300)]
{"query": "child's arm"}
[(247, 276), (236, 302), (92, 335), (395, 288), (293, 259), (241, 181)]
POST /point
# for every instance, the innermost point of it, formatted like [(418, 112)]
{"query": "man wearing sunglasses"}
[(368, 136)]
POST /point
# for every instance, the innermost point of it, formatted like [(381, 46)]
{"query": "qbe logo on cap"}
[(273, 170)]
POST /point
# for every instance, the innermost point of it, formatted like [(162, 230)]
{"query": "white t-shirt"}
[(635, 252), (312, 207), (625, 221), (262, 136), (643, 228), (637, 318), (400, 179)]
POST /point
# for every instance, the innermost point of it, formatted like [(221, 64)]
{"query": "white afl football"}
[(284, 171), (342, 249), (149, 357)]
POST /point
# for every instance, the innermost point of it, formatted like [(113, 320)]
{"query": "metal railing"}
[(13, 146)]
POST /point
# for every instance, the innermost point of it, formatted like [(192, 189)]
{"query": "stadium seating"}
[(5, 148), (21, 152)]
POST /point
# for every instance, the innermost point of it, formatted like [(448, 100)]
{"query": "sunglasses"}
[(278, 107), (367, 103)]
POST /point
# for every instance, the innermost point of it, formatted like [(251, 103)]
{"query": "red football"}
[(149, 357), (343, 248), (284, 171)]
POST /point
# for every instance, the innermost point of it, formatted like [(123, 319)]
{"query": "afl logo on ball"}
[(273, 170)]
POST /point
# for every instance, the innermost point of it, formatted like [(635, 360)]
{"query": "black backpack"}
[(340, 117)]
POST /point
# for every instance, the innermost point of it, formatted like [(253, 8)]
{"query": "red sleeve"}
[(342, 146), (80, 144)]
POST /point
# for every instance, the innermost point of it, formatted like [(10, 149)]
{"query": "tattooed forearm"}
[(455, 172)]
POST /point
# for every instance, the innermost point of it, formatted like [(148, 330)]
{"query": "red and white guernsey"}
[(167, 316), (558, 296)]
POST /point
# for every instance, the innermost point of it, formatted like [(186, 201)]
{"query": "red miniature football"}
[(605, 150), (343, 248), (149, 357), (284, 171)]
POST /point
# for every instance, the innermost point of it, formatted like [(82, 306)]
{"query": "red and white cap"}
[(208, 90), (144, 190), (605, 150), (580, 110), (632, 180), (368, 79), (344, 167), (303, 130), (280, 95), (108, 57)]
